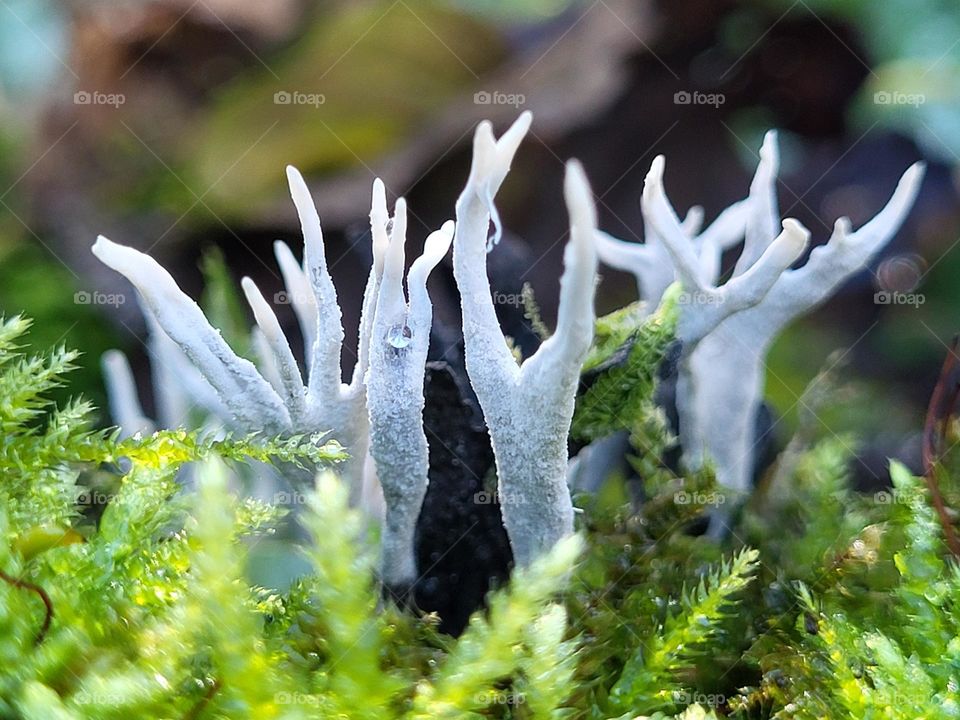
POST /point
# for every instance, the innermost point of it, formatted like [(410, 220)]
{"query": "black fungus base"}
[(461, 545)]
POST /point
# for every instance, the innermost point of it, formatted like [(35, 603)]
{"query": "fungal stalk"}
[(400, 339), (124, 403), (274, 399), (650, 261), (527, 408), (728, 330), (182, 396)]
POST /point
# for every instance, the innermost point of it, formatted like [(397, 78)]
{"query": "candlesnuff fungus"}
[(125, 408), (650, 260), (527, 408), (400, 338), (275, 400), (178, 386), (726, 329), (726, 337), (384, 397)]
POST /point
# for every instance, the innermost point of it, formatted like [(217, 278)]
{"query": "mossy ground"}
[(821, 602)]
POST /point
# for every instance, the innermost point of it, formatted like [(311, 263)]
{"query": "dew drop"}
[(399, 336)]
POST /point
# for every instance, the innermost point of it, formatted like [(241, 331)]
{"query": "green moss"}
[(124, 593)]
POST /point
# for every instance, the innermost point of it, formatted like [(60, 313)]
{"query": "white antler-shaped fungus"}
[(650, 261), (728, 330), (527, 408), (276, 400), (398, 353)]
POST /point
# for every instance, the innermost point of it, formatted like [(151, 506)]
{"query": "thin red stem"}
[(47, 603), (939, 412)]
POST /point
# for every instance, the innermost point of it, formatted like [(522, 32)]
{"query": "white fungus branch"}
[(180, 391), (705, 305), (527, 409), (727, 330), (275, 398), (400, 340), (650, 261), (725, 373), (252, 401), (124, 402)]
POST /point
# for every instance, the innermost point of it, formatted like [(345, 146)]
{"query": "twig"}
[(47, 603), (939, 412), (195, 711)]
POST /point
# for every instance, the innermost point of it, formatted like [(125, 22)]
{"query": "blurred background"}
[(166, 125)]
